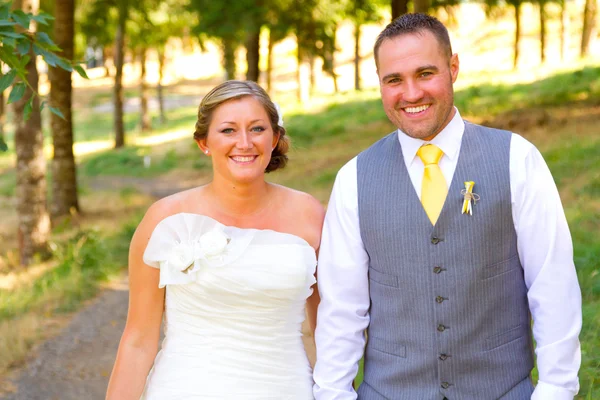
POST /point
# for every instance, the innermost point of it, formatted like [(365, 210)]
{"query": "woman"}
[(232, 265)]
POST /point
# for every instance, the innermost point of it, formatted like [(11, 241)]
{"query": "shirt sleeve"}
[(546, 253), (342, 277)]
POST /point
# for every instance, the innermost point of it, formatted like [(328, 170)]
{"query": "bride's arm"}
[(139, 342)]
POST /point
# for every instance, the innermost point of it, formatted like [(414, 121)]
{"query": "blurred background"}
[(86, 153)]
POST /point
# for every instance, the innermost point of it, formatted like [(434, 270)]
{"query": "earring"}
[(206, 151)]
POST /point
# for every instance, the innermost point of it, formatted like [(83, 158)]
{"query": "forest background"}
[(85, 154)]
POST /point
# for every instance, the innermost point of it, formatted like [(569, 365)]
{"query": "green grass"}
[(85, 260)]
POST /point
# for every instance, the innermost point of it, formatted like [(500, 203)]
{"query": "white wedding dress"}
[(233, 311)]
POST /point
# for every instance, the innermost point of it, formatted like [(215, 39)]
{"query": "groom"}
[(442, 240)]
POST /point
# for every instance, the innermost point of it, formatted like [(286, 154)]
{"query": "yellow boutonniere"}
[(468, 194)]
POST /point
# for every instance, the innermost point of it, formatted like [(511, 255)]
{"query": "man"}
[(443, 239)]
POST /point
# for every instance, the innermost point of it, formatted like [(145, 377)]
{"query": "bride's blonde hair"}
[(233, 89)]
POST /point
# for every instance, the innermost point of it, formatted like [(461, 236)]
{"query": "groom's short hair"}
[(414, 23)]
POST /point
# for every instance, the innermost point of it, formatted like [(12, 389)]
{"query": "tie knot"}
[(430, 154)]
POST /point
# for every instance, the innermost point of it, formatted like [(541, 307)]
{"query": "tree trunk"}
[(159, 88), (421, 6), (34, 221), (542, 4), (270, 63), (145, 120), (589, 26), (228, 58), (104, 63), (253, 54), (399, 7), (119, 61), (2, 116), (517, 7), (357, 55), (564, 30), (64, 179)]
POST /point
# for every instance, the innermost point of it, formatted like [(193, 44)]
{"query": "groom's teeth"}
[(413, 110)]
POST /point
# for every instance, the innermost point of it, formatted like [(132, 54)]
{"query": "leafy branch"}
[(17, 45)]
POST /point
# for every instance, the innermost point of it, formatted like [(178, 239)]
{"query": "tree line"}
[(118, 27)]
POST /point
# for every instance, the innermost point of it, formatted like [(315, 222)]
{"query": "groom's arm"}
[(546, 253), (343, 313)]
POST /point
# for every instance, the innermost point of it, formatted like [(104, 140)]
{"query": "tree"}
[(399, 7), (34, 221), (123, 11), (220, 20), (589, 26), (360, 12), (543, 16), (64, 180)]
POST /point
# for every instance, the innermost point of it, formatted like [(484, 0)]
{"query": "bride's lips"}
[(243, 160)]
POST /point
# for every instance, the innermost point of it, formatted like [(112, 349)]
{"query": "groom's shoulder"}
[(381, 144)]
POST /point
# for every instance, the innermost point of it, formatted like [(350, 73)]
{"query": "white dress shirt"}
[(545, 250)]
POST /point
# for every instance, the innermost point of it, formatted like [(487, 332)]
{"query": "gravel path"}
[(76, 364)]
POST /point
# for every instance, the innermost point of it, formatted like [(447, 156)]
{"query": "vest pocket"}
[(384, 346), (500, 268), (505, 337), (383, 279)]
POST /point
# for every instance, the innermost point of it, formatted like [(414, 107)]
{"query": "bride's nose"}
[(244, 141)]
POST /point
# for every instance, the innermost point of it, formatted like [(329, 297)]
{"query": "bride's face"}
[(240, 140)]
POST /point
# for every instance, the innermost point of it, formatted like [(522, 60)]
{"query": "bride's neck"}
[(239, 200)]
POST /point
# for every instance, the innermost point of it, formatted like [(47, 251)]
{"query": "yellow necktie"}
[(434, 188)]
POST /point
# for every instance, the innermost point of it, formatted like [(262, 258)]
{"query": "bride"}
[(228, 266)]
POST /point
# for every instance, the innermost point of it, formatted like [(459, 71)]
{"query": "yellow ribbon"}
[(468, 194)]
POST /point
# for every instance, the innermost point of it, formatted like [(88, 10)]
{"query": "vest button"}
[(437, 270), (435, 240), (445, 385), (441, 328), (443, 357), (439, 299)]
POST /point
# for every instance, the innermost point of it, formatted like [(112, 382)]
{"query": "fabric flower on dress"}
[(213, 243), (181, 257), (188, 257)]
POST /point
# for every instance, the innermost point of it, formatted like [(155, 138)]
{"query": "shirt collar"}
[(448, 140)]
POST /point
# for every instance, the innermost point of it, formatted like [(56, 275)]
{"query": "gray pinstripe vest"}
[(449, 312)]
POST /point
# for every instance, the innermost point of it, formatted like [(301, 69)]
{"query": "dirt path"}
[(76, 364)]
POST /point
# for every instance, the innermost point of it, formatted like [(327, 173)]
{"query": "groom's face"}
[(415, 78)]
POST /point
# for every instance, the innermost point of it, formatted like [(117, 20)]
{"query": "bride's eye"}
[(258, 129)]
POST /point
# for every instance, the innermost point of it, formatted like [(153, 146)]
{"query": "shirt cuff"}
[(546, 391)]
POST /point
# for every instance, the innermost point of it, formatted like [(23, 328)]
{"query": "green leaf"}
[(21, 18), (7, 80), (24, 60), (17, 92), (56, 111), (4, 22), (3, 145), (23, 47), (13, 35), (42, 105), (9, 42), (47, 43), (4, 10), (28, 109), (43, 18), (80, 71)]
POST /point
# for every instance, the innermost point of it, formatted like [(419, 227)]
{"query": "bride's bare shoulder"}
[(305, 212), (170, 205)]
